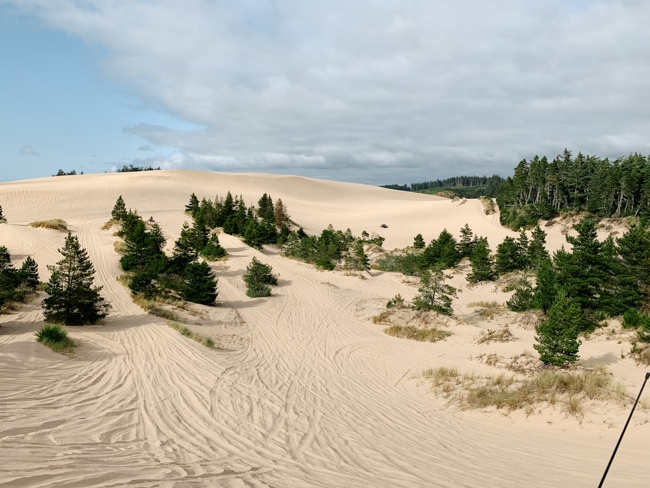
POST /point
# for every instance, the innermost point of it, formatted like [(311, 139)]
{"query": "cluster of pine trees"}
[(266, 224), (153, 273), (541, 190), (16, 284), (462, 186)]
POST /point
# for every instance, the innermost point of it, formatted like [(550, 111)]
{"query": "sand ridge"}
[(316, 394)]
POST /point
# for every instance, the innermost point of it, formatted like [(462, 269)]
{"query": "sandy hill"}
[(304, 389)]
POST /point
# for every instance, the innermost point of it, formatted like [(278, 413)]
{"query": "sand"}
[(305, 390)]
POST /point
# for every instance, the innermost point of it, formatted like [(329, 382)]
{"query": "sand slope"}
[(316, 394)]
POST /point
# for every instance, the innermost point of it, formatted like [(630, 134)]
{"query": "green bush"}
[(55, 337), (258, 278)]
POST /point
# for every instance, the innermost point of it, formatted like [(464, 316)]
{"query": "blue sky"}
[(368, 91)]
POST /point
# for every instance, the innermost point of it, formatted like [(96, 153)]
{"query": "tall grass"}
[(56, 338), (206, 341), (417, 334), (56, 224), (549, 387)]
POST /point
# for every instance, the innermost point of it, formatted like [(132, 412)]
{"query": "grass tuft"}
[(56, 224), (417, 334), (487, 310), (206, 341), (119, 247), (502, 335), (56, 338), (569, 389), (110, 224)]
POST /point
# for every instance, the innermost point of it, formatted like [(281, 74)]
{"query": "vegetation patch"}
[(501, 335), (417, 334), (487, 310), (119, 247), (489, 207), (56, 338), (55, 224), (550, 387), (206, 341), (110, 224)]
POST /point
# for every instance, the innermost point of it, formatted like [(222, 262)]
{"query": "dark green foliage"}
[(55, 337), (324, 251), (467, 242), (200, 285), (258, 277), (193, 206), (537, 248), (633, 319), (410, 264), (557, 338), (28, 274), (541, 190), (434, 293), (357, 259), (63, 173), (546, 285), (119, 210), (265, 209), (482, 263), (72, 298), (634, 260), (134, 169), (213, 250), (418, 242), (396, 302), (442, 251), (2, 216), (523, 297), (507, 256), (185, 250), (461, 186)]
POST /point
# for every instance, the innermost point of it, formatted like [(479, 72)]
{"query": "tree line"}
[(462, 186)]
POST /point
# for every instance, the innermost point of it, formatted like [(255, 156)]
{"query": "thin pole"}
[(647, 375)]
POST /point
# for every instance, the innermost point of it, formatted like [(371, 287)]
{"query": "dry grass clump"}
[(501, 335), (549, 387), (119, 247), (56, 224), (206, 341), (110, 224), (417, 334), (383, 317), (529, 320), (153, 307), (487, 310), (489, 207), (641, 353)]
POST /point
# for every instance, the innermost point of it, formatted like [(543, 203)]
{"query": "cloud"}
[(377, 91), (27, 150)]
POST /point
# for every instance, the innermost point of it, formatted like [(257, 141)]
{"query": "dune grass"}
[(501, 335), (487, 310), (110, 224), (153, 307), (568, 389), (206, 341), (56, 338), (55, 224), (119, 247), (417, 334)]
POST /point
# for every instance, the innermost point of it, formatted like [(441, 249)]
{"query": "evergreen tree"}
[(523, 297), (200, 284), (546, 285), (467, 242), (507, 256), (557, 338), (258, 277), (72, 298), (265, 209), (523, 259), (184, 248), (358, 259), (28, 274), (418, 242), (537, 248), (2, 216), (193, 206), (280, 214), (442, 251), (434, 293), (8, 281), (213, 250), (634, 276), (482, 263), (119, 209), (227, 212)]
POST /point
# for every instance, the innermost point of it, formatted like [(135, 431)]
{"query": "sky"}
[(367, 91)]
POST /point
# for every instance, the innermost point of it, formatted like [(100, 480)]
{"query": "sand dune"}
[(311, 393)]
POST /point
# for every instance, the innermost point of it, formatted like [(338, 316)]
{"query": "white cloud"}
[(377, 91), (27, 150)]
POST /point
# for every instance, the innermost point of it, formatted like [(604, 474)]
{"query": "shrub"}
[(56, 224), (258, 277), (55, 337), (396, 302)]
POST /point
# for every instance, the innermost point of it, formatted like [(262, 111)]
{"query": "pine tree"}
[(358, 259), (193, 206), (213, 250), (557, 338), (2, 216), (467, 242), (28, 274), (507, 256), (546, 286), (184, 247), (537, 248), (200, 284), (523, 297), (280, 214), (119, 210), (72, 298), (434, 293), (258, 277), (634, 278), (418, 242), (482, 263)]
